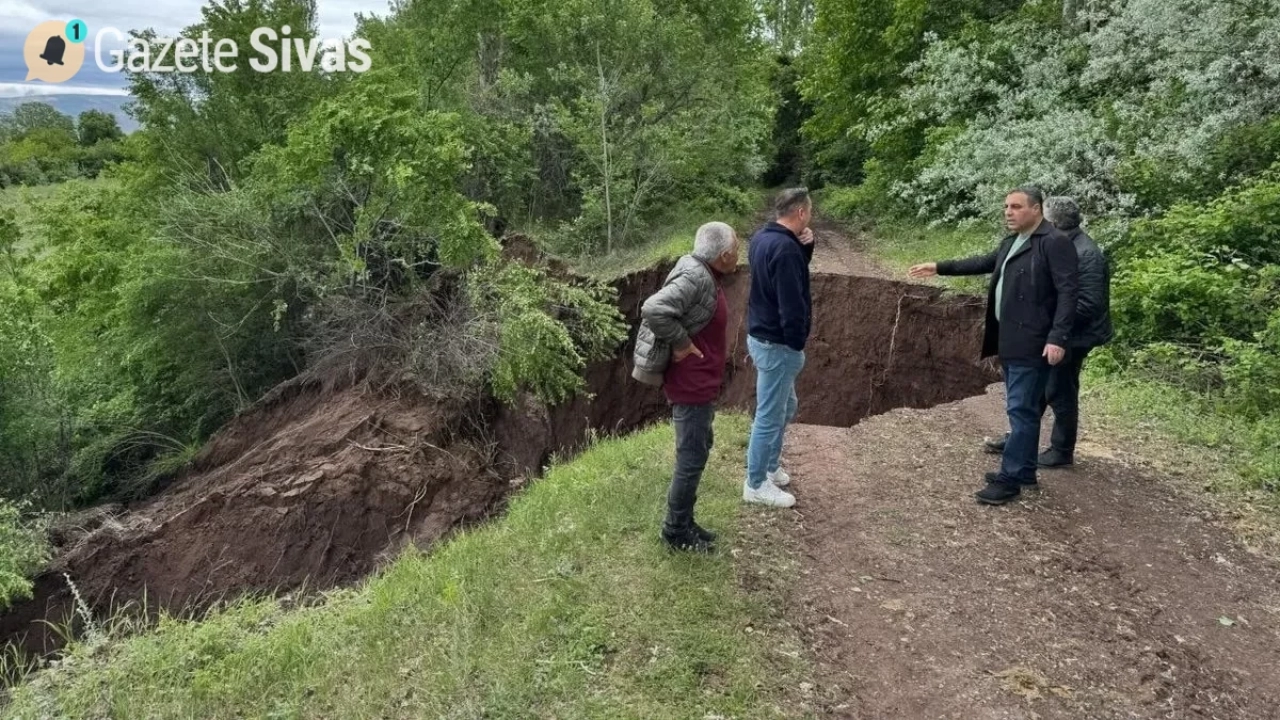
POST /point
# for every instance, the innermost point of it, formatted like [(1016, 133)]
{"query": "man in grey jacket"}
[(1092, 329), (682, 345)]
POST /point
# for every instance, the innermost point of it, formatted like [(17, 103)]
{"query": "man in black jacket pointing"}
[(1031, 306), (1092, 329)]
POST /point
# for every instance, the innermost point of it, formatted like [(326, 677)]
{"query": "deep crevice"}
[(319, 485)]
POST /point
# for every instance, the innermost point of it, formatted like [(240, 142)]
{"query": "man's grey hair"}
[(1035, 196), (790, 200), (1063, 212), (712, 240)]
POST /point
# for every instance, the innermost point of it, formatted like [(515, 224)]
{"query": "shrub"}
[(23, 550), (549, 329)]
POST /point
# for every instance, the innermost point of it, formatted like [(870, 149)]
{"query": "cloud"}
[(11, 90)]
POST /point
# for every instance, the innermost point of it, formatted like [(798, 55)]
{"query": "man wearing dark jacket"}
[(779, 315), (1092, 329), (682, 345), (1031, 305)]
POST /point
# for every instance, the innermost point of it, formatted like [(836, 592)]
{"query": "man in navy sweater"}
[(779, 314)]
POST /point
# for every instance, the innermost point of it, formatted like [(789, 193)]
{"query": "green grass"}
[(664, 247), (566, 607), (1191, 432), (899, 244)]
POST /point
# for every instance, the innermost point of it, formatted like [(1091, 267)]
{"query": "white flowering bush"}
[(1144, 93), (1180, 76), (1065, 152)]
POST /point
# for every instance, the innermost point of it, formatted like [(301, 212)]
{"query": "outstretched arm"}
[(976, 265)]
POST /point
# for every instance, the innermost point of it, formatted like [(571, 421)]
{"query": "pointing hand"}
[(924, 270)]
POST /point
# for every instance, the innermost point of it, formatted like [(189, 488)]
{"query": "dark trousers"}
[(1063, 395), (695, 435), (1024, 397)]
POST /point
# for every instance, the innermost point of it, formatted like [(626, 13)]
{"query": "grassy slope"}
[(567, 607), (677, 241)]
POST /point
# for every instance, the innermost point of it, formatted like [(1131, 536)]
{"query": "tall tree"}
[(786, 23), (204, 126), (95, 126), (32, 116)]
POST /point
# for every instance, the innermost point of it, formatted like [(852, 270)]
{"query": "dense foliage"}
[(262, 226), (40, 145), (1162, 118)]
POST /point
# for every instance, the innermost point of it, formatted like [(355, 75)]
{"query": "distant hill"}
[(73, 105)]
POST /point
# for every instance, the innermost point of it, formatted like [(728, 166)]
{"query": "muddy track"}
[(1099, 596), (1102, 595), (320, 484)]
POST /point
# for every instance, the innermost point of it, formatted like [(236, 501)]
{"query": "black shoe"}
[(998, 493), (994, 477), (688, 541), (703, 533), (1054, 459), (995, 447)]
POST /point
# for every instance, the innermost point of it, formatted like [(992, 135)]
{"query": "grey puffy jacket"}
[(670, 317)]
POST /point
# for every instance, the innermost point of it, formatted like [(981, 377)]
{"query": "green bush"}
[(1251, 371), (549, 329), (23, 550), (1197, 295)]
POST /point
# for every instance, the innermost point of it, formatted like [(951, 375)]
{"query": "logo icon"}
[(54, 50), (49, 55)]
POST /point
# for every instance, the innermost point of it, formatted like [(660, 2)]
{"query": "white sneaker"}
[(779, 478), (768, 494)]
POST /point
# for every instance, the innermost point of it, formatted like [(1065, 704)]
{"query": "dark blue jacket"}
[(780, 309)]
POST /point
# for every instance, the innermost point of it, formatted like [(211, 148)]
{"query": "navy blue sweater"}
[(780, 309)]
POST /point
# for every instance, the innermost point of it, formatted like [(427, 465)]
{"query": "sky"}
[(18, 17)]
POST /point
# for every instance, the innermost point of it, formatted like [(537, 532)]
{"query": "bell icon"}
[(54, 50)]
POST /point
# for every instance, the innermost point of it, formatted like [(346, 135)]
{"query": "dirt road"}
[(1108, 593)]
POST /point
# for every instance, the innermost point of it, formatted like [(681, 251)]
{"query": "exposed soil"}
[(1106, 594), (320, 484), (1099, 596), (1109, 593)]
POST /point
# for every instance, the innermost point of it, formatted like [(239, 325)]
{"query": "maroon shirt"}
[(696, 380)]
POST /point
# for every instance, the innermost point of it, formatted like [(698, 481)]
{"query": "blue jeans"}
[(777, 367), (1024, 392)]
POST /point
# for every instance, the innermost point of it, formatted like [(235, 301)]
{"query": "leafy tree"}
[(205, 126), (95, 126), (786, 24), (646, 102), (30, 117), (854, 67)]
